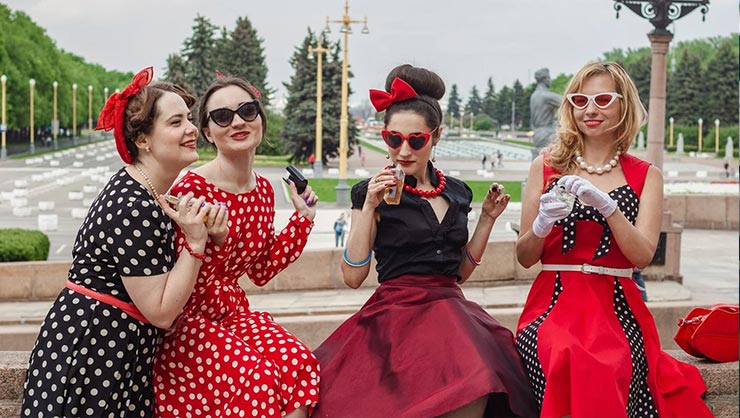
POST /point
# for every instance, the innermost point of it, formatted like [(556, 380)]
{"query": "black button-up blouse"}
[(410, 239)]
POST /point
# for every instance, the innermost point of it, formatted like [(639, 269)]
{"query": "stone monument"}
[(641, 141), (679, 144), (729, 149), (542, 104)]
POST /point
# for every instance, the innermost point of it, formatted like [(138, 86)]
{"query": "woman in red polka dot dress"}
[(221, 358)]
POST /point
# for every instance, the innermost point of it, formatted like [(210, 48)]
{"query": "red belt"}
[(129, 308)]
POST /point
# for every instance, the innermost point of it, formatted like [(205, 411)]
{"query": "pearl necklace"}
[(429, 193), (598, 169), (148, 182)]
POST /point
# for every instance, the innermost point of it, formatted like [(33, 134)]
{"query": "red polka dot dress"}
[(221, 358)]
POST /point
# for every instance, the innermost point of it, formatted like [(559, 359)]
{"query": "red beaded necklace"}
[(429, 193)]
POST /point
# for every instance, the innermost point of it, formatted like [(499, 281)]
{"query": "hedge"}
[(23, 245)]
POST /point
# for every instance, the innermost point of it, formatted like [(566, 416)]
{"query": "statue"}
[(542, 104)]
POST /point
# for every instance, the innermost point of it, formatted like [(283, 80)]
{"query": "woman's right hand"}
[(377, 185), (189, 214)]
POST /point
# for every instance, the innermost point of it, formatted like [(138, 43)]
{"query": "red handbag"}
[(710, 333)]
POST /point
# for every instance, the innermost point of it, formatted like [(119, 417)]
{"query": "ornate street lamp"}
[(89, 112), (54, 120), (716, 136), (74, 114), (31, 85), (3, 124), (670, 131), (660, 13), (342, 189), (318, 170)]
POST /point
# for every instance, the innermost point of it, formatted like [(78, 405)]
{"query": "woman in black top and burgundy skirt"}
[(418, 348)]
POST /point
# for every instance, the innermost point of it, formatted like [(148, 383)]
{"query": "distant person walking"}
[(311, 160), (339, 225), (483, 162), (500, 158)]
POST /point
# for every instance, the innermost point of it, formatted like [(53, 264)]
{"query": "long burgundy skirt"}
[(418, 348)]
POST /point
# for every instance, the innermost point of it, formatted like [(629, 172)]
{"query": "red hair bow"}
[(111, 117), (400, 91)]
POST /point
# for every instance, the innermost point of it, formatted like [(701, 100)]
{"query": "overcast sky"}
[(464, 41)]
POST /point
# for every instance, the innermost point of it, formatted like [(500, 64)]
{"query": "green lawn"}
[(324, 188)]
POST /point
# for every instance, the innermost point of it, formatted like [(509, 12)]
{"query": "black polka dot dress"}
[(588, 342), (91, 358)]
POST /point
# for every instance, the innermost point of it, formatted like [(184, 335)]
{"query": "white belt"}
[(587, 268)]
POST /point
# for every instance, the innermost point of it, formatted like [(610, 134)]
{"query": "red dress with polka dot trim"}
[(221, 358)]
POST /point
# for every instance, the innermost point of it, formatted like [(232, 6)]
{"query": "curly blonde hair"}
[(569, 140)]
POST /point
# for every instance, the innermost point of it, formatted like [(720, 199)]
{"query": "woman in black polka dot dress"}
[(94, 354), (588, 342)]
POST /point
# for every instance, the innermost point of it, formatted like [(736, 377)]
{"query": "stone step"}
[(723, 406), (10, 409), (314, 326), (721, 380)]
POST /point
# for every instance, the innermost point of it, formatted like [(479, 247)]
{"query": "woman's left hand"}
[(305, 203), (495, 201), (589, 194), (217, 222)]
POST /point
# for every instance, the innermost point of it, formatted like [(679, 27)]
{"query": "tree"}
[(198, 54), (244, 56), (503, 106), (474, 102), (521, 101), (489, 100), (721, 85), (639, 69), (176, 71), (685, 98), (300, 106), (453, 103), (300, 110)]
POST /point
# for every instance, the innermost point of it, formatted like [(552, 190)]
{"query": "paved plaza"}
[(53, 191)]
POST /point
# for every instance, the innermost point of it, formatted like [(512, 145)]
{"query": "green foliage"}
[(474, 102), (489, 100), (453, 102), (299, 130), (691, 136), (483, 122), (639, 67), (721, 84), (23, 245), (26, 52), (273, 143), (685, 93), (198, 51), (559, 83), (241, 54)]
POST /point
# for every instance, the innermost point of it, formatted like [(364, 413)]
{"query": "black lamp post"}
[(660, 13)]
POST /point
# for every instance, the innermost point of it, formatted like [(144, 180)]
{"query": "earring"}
[(434, 154), (387, 156), (148, 149)]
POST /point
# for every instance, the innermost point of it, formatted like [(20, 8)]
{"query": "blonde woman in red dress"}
[(587, 339), (222, 358)]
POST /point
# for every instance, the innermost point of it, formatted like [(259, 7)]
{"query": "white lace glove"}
[(588, 194), (551, 211)]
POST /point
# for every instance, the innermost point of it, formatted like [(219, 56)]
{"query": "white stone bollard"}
[(79, 213), (75, 196), (46, 205), (22, 211), (48, 222)]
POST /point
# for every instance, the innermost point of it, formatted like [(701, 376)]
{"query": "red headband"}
[(400, 91), (111, 117)]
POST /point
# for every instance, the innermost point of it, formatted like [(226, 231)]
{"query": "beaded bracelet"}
[(470, 256), (361, 263), (199, 256)]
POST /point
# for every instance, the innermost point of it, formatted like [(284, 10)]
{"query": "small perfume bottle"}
[(392, 195), (564, 196)]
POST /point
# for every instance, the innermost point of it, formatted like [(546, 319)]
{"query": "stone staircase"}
[(721, 380), (310, 300)]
